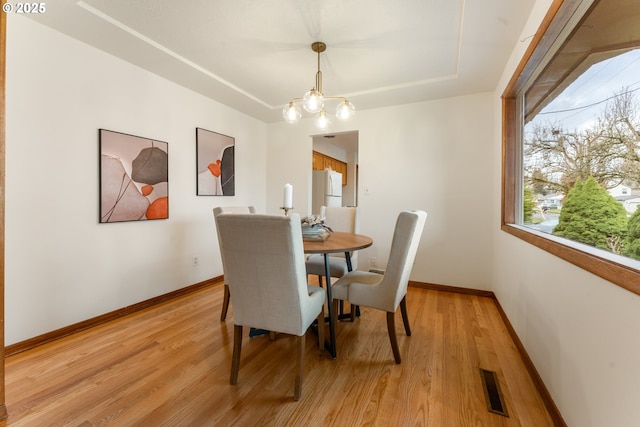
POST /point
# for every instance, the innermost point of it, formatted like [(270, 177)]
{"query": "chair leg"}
[(391, 326), (321, 328), (237, 348), (297, 393), (225, 303), (354, 310), (405, 316), (320, 281)]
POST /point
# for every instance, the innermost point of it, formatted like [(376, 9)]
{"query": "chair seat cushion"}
[(340, 289), (312, 306), (315, 265)]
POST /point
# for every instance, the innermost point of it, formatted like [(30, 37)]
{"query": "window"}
[(551, 147)]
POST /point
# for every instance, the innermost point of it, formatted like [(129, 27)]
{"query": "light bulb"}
[(322, 121), (313, 101), (345, 110), (291, 113)]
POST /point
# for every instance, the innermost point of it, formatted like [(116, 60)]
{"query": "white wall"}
[(322, 146), (62, 266), (580, 331), (432, 156)]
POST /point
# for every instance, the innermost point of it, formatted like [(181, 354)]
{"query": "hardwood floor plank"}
[(169, 365)]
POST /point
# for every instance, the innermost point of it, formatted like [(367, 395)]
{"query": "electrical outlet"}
[(195, 261), (372, 261)]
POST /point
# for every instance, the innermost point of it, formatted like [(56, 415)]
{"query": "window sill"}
[(622, 271)]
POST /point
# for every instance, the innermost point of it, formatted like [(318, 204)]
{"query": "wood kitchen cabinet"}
[(318, 161), (322, 161)]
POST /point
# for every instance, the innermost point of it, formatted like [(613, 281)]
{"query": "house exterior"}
[(551, 201), (628, 196)]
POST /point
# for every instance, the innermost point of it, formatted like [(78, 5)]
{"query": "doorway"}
[(342, 146)]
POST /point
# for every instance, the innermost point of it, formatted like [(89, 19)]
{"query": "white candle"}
[(287, 201)]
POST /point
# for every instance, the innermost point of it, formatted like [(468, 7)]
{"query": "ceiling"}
[(255, 55)]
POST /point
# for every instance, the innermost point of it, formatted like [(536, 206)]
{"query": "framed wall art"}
[(134, 178), (215, 163)]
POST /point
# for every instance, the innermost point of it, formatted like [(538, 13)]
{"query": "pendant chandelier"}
[(314, 100)]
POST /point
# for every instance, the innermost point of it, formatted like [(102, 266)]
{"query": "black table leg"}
[(332, 329)]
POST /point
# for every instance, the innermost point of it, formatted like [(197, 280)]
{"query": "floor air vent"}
[(492, 393)]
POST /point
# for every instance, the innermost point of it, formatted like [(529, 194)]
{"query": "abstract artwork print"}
[(134, 178), (215, 164)]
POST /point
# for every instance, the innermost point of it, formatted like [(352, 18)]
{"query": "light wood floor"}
[(169, 366)]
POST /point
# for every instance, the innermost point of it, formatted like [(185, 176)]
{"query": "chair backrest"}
[(404, 246), (342, 218), (230, 209), (345, 219), (263, 257), (233, 209)]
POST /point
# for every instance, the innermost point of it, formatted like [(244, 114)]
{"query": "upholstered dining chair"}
[(389, 290), (338, 219), (263, 259), (217, 211)]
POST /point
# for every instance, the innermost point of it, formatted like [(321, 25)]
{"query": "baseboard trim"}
[(553, 410), (455, 289), (30, 343), (551, 406)]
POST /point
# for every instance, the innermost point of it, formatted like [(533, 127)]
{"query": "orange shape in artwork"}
[(159, 209), (215, 168), (146, 190)]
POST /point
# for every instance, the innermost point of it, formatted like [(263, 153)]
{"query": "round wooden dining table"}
[(337, 242)]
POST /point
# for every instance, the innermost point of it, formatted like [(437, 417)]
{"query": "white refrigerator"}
[(326, 190)]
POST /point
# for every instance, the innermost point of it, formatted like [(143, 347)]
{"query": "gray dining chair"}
[(389, 290), (263, 257), (217, 211)]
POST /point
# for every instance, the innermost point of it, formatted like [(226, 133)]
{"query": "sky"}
[(577, 106)]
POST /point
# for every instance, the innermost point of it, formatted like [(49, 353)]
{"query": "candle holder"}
[(286, 210)]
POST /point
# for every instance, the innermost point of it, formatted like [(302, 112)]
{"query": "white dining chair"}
[(217, 211), (263, 257), (345, 219), (386, 291)]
